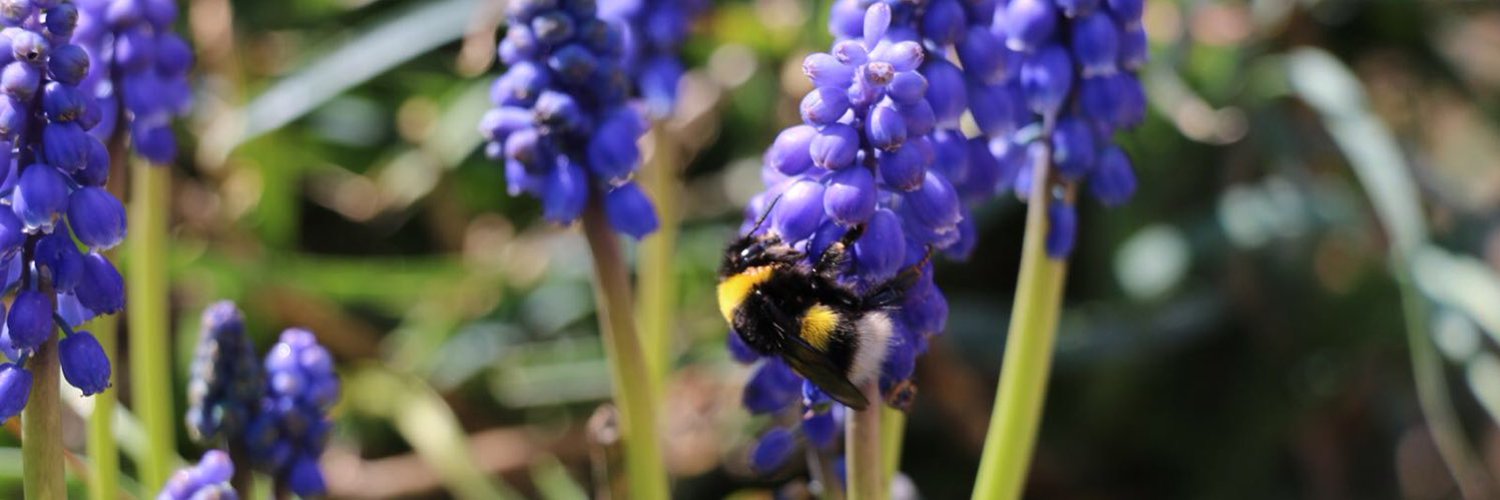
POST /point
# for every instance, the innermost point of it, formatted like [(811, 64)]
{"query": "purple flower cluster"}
[(653, 34), (52, 187), (291, 427), (561, 122), (1077, 82), (141, 71), (226, 385), (865, 155), (209, 479)]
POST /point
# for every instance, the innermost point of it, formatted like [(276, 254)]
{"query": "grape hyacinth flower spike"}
[(291, 428), (226, 385), (208, 479), (141, 75), (561, 124), (52, 202), (652, 33)]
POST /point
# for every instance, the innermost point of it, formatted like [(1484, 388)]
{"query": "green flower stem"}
[(633, 392), (1028, 354), (658, 272), (893, 428), (104, 453), (862, 440), (41, 428), (146, 285)]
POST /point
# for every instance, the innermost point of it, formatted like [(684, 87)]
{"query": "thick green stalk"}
[(104, 453), (41, 428), (645, 471), (893, 428), (1028, 356), (146, 284), (862, 440), (658, 272)]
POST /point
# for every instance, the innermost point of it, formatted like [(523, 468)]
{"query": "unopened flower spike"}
[(209, 478), (561, 122), (653, 32), (226, 386), (141, 71), (291, 426)]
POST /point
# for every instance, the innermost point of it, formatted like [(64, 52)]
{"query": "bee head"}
[(755, 251)]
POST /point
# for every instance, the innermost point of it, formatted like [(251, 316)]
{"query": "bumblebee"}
[(779, 304)]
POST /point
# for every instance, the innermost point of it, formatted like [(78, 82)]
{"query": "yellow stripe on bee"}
[(818, 326), (734, 289)]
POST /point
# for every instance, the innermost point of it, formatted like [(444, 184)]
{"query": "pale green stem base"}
[(1017, 413), (41, 428), (146, 287), (647, 475), (657, 290), (893, 427), (862, 442), (104, 452)]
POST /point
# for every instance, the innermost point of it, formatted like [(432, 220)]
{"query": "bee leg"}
[(833, 258), (890, 292)]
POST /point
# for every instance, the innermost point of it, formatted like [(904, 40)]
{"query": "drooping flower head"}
[(291, 426), (53, 200), (226, 385), (653, 32), (208, 479), (561, 123), (141, 75)]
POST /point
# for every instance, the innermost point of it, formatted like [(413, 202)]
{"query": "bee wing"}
[(821, 371)]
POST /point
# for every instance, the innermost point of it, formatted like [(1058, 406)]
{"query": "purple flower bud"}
[(877, 20), (19, 80), (552, 28), (944, 22), (59, 257), (851, 53), (1132, 101), (820, 428), (824, 105), (1046, 78), (902, 169), (84, 363), (1096, 44), (985, 172), (573, 63), (1113, 181), (612, 151), (946, 91), (993, 108), (902, 56), (880, 252), (29, 46), (41, 197), (1062, 229), (920, 120), (850, 196), (15, 389), (63, 103), (123, 13), (498, 123), (772, 387), (559, 111), (1127, 12), (567, 191), (66, 146), (907, 87), (835, 147), (968, 239), (135, 51), (846, 19), (984, 56), (1027, 23), (658, 80), (12, 234), (95, 171), (774, 449), (15, 12), (739, 350), (935, 203), (789, 153), (61, 19), (305, 479), (1134, 52), (800, 210), (30, 319), (97, 218), (102, 290), (1073, 147), (68, 64), (825, 70), (885, 127), (630, 211), (12, 117)]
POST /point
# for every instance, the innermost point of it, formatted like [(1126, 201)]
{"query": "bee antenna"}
[(766, 214)]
